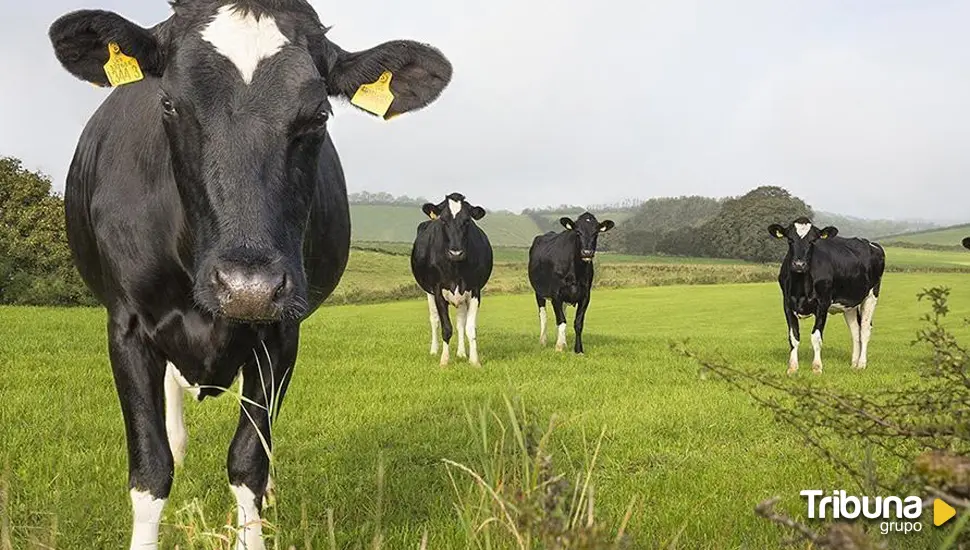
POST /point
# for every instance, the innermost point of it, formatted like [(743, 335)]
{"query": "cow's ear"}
[(430, 210), (606, 226), (828, 232), (966, 242), (776, 231), (82, 42), (387, 80), (567, 223), (477, 212)]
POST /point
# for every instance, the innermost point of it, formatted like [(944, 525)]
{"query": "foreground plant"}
[(514, 496), (916, 438)]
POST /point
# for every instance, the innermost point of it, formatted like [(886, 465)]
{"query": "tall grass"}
[(512, 496)]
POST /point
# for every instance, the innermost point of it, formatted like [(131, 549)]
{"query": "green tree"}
[(35, 261), (740, 228)]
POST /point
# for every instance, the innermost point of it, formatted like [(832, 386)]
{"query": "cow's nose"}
[(250, 295), (456, 254), (799, 265), (587, 253)]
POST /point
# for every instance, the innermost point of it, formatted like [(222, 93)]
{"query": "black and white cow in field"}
[(824, 273), (206, 209), (451, 261), (561, 269)]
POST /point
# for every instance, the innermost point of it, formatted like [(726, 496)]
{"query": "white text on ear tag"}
[(120, 68), (375, 97)]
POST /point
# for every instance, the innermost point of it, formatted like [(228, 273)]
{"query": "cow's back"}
[(854, 267), (551, 263)]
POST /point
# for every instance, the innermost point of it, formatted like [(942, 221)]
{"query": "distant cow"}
[(966, 242), (452, 260), (823, 273), (207, 210), (561, 269)]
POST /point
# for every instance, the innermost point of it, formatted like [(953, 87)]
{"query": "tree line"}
[(714, 228), (35, 261)]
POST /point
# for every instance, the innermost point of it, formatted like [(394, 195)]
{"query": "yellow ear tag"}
[(433, 216), (120, 68), (375, 97)]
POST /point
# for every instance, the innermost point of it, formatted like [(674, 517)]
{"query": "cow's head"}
[(587, 231), (242, 92), (455, 214), (802, 236), (966, 242)]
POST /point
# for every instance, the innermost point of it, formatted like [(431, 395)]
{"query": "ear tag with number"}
[(432, 215), (120, 68), (375, 97)]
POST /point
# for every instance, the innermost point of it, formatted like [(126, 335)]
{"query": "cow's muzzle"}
[(799, 266), (255, 295), (456, 255), (587, 255)]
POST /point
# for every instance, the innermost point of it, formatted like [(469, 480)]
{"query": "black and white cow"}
[(561, 269), (824, 273), (966, 242), (451, 261), (207, 210)]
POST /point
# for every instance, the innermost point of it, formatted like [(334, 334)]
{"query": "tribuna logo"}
[(840, 505)]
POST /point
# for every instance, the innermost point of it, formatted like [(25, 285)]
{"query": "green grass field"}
[(947, 236), (697, 455)]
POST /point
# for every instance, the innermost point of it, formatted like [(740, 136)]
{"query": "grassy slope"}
[(948, 236), (698, 455), (398, 223)]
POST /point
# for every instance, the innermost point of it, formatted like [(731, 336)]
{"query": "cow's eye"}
[(168, 107), (313, 123)]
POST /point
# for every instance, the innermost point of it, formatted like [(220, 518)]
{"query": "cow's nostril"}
[(278, 291)]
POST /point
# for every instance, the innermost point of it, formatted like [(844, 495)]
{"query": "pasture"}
[(947, 236), (366, 397)]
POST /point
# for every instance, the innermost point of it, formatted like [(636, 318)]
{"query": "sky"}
[(860, 107)]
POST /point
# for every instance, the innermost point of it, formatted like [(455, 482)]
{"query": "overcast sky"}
[(860, 107)]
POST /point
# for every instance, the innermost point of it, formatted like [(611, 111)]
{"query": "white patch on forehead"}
[(244, 39), (802, 229), (454, 206)]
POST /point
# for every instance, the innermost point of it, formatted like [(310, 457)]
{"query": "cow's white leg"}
[(561, 338), (435, 324), (542, 326), (460, 318), (471, 329), (793, 356), (178, 438), (852, 320), (445, 356), (146, 515), (249, 534), (817, 347), (868, 309)]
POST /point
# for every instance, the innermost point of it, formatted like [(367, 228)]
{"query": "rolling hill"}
[(945, 236), (397, 224)]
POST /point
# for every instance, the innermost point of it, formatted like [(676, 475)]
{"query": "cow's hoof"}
[(542, 342), (461, 354), (434, 351), (817, 368), (859, 366), (792, 369), (560, 347), (474, 362)]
